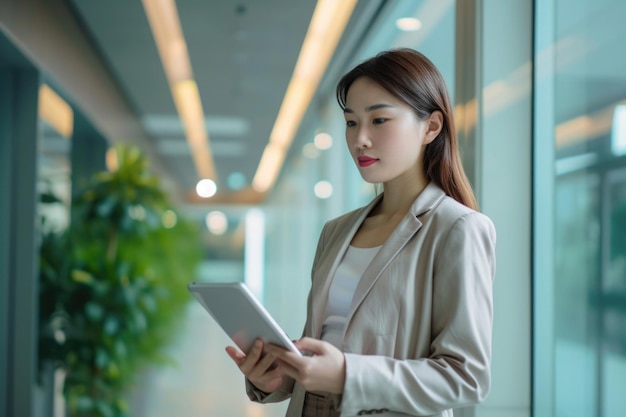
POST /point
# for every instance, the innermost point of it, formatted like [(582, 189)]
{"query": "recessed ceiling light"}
[(310, 151), (323, 141), (206, 188), (323, 189), (216, 222), (408, 24)]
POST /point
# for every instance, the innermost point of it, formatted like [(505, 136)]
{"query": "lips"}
[(365, 161)]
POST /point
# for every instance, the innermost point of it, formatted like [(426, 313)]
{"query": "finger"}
[(285, 368), (252, 357), (292, 359), (235, 355), (264, 367), (276, 351), (275, 379)]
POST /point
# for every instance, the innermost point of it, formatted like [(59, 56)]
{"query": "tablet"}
[(240, 314)]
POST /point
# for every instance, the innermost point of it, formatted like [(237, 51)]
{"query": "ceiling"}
[(242, 53)]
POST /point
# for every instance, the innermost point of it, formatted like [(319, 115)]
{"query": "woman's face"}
[(384, 135)]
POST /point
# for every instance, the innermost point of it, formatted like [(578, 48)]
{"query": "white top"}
[(347, 277)]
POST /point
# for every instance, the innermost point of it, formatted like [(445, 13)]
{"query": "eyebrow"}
[(370, 108)]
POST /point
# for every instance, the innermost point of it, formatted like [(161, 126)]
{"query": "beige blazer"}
[(417, 340)]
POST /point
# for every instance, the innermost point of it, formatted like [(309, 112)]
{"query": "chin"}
[(373, 176), (371, 179)]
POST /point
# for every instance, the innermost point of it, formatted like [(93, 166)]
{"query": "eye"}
[(379, 120), (350, 123)]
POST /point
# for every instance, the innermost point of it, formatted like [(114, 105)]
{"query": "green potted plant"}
[(113, 285)]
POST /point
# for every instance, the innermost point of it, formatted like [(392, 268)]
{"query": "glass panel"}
[(613, 297), (580, 93), (576, 271)]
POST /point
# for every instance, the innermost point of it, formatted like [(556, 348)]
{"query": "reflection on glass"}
[(588, 341), (576, 272)]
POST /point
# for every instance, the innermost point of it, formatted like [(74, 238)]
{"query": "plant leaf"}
[(82, 276), (84, 403), (94, 311)]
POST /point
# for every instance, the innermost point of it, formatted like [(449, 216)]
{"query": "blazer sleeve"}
[(281, 394), (457, 371)]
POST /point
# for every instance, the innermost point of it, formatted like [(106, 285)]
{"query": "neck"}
[(399, 196)]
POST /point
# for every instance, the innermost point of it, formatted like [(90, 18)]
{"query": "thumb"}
[(311, 345)]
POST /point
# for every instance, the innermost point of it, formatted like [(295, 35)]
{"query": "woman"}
[(400, 309)]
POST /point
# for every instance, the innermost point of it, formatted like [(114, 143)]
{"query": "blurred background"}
[(148, 144)]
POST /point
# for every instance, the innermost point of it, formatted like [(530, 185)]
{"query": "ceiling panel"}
[(242, 53)]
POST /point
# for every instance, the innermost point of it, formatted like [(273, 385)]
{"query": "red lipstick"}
[(365, 161)]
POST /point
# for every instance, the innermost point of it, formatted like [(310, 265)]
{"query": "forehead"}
[(365, 92)]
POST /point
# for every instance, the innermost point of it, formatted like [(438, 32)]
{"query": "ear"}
[(434, 124)]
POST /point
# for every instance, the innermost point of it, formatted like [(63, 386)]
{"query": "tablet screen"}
[(240, 314)]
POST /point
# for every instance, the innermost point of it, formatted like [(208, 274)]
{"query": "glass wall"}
[(580, 209)]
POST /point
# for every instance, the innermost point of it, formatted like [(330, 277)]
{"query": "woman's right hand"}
[(260, 369)]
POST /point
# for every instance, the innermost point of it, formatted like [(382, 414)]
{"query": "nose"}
[(361, 138)]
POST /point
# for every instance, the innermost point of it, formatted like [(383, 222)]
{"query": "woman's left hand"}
[(323, 370)]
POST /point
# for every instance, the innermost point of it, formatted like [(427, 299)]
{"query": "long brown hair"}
[(411, 77)]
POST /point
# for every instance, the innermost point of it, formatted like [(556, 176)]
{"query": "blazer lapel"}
[(406, 229), (327, 268)]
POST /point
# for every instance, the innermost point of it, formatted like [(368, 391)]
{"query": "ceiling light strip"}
[(329, 20), (168, 35), (55, 111)]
